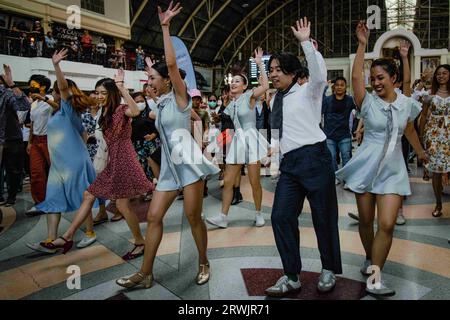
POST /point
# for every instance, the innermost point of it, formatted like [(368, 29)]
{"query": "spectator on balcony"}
[(121, 58), (50, 44), (74, 52), (140, 56), (86, 44), (101, 52), (39, 35)]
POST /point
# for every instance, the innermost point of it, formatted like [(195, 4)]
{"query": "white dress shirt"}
[(302, 105)]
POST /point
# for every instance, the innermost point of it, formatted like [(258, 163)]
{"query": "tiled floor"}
[(244, 259)]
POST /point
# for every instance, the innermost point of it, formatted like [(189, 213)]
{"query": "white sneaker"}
[(218, 221), (380, 289), (259, 220), (367, 264), (86, 242), (283, 287), (346, 187), (400, 218), (36, 246), (336, 182), (327, 281)]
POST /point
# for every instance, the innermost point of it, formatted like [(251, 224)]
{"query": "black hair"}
[(388, 65), (226, 88), (42, 80), (434, 82), (289, 63), (113, 101), (303, 73), (340, 78), (161, 68)]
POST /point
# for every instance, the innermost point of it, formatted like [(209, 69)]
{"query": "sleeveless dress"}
[(123, 176), (437, 135), (248, 144), (182, 160), (71, 171), (377, 166)]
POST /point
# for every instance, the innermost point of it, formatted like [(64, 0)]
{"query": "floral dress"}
[(437, 134), (89, 123), (123, 176)]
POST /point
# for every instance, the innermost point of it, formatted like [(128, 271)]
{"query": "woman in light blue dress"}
[(71, 170), (377, 173), (183, 166), (248, 145)]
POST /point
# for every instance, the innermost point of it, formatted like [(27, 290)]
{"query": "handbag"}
[(101, 157)]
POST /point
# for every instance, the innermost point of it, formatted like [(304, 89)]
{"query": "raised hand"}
[(303, 30), (404, 48), (148, 65), (362, 32), (119, 77), (166, 16), (258, 56), (59, 56), (7, 76)]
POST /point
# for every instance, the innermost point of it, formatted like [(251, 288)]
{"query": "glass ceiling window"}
[(401, 13)]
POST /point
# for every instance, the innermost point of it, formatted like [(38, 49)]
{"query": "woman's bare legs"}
[(193, 204), (229, 179), (254, 174), (52, 225), (123, 205), (80, 217), (387, 208), (437, 188), (366, 210), (158, 207)]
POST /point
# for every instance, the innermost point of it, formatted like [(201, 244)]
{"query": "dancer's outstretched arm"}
[(178, 83), (359, 89)]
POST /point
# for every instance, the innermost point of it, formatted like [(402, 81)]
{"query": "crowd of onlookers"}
[(37, 43)]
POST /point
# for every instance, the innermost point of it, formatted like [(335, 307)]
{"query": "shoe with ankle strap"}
[(136, 280)]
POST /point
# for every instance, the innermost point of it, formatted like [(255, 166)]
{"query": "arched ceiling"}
[(220, 31)]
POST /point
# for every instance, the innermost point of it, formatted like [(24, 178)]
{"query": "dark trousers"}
[(307, 172), (12, 161)]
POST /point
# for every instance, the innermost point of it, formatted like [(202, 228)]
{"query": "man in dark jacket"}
[(336, 110), (12, 99)]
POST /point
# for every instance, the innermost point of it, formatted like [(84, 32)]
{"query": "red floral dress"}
[(123, 176)]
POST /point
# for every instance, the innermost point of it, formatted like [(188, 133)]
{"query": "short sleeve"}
[(416, 108), (366, 105)]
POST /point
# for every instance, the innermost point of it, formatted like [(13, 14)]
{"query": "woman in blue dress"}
[(71, 170), (248, 146), (183, 166), (377, 173)]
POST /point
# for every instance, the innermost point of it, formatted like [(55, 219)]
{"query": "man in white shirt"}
[(37, 144), (306, 166)]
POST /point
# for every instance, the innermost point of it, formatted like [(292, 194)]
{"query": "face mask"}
[(141, 106), (212, 104)]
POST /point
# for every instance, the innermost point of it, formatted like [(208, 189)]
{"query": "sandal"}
[(437, 212), (116, 219), (425, 177), (103, 220), (130, 255)]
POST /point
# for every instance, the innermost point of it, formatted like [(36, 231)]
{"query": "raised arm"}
[(62, 82), (132, 110), (178, 83), (263, 80), (316, 64), (359, 89), (404, 50), (18, 101)]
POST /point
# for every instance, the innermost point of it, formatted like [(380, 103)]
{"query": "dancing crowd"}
[(159, 144)]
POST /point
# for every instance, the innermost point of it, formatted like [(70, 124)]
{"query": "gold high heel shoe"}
[(203, 274), (131, 282)]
